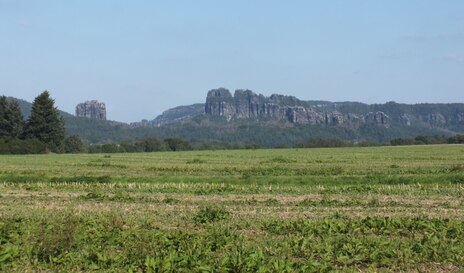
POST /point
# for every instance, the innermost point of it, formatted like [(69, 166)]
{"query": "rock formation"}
[(247, 105), (405, 119), (460, 118), (91, 109), (283, 110), (435, 119), (219, 102), (378, 118)]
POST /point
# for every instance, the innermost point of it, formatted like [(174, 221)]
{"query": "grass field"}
[(383, 209)]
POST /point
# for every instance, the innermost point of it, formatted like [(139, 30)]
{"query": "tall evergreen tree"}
[(15, 118), (45, 122), (4, 123)]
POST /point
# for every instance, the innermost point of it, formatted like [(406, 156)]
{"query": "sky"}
[(143, 57)]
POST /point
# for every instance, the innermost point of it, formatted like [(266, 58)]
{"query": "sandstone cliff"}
[(91, 109), (247, 105), (356, 120)]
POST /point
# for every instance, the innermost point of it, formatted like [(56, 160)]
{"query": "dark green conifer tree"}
[(4, 124), (15, 119), (45, 123)]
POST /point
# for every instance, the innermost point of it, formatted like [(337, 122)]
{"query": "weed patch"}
[(209, 214), (54, 238), (280, 159), (105, 164), (196, 161), (82, 179)]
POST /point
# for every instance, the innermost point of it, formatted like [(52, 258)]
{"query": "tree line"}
[(418, 140), (73, 144), (154, 144), (428, 140), (42, 132)]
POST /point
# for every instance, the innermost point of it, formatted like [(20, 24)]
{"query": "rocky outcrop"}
[(435, 119), (334, 118), (353, 120), (405, 119), (247, 105), (91, 109), (378, 118), (460, 118), (287, 110), (219, 102)]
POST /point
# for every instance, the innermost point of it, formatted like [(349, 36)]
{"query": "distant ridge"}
[(247, 105), (173, 115), (275, 121)]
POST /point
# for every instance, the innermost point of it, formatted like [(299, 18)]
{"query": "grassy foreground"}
[(397, 209)]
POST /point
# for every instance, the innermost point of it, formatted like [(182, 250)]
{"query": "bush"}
[(151, 144), (22, 146), (110, 148), (177, 144), (73, 145)]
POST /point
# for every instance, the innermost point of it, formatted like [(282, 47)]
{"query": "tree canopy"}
[(16, 119), (45, 122), (4, 123)]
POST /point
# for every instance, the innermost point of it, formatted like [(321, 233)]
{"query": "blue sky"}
[(143, 57)]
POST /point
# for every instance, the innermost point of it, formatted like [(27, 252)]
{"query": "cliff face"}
[(247, 105), (350, 120), (219, 102), (91, 109)]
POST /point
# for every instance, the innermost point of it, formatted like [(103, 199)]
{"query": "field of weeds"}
[(381, 209)]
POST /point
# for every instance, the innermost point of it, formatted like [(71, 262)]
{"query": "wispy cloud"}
[(454, 57)]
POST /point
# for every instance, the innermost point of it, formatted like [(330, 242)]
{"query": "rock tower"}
[(91, 109)]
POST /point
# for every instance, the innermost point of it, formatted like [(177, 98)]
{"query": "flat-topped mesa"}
[(91, 109)]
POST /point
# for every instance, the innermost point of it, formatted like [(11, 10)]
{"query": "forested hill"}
[(25, 106), (91, 131), (248, 118), (245, 105)]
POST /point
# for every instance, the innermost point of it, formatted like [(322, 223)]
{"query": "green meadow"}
[(376, 209)]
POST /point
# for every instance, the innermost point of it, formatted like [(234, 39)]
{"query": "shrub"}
[(22, 146), (196, 161), (73, 144)]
